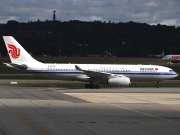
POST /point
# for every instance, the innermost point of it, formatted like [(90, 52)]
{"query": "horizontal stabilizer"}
[(16, 66)]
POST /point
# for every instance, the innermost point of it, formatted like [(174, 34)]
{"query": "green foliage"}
[(76, 38), (81, 85)]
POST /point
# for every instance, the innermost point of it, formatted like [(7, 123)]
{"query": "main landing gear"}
[(92, 86), (158, 85)]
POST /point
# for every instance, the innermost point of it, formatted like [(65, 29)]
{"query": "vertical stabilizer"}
[(17, 53), (163, 54)]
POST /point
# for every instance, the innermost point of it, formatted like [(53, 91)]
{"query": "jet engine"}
[(119, 81)]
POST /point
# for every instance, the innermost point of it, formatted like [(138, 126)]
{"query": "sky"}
[(153, 12)]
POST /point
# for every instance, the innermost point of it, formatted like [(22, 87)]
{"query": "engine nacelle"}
[(119, 81)]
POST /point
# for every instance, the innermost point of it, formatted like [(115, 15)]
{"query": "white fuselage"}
[(172, 58), (134, 72), (116, 75)]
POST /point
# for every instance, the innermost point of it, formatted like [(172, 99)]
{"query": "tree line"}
[(77, 38)]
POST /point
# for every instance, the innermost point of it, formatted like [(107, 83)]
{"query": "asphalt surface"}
[(62, 111)]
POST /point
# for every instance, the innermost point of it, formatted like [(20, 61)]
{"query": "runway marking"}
[(24, 119), (150, 115), (117, 98), (27, 121)]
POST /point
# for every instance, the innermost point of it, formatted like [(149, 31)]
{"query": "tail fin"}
[(163, 53), (17, 53)]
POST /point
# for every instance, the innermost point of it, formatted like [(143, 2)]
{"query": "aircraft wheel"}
[(97, 86), (91, 86), (158, 85)]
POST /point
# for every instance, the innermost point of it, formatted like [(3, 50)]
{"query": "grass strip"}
[(81, 85)]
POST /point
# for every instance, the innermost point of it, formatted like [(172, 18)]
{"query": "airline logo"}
[(14, 51), (176, 57), (148, 69)]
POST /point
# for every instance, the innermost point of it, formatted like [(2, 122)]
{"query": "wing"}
[(96, 74)]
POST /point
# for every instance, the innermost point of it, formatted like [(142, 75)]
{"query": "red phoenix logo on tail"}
[(15, 52)]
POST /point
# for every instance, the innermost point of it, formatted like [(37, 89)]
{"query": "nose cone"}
[(174, 75)]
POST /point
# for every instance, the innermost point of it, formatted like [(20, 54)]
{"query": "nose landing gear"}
[(158, 85)]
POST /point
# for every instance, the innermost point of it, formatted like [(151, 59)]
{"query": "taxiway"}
[(117, 111)]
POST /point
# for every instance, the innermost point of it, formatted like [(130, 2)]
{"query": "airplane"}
[(157, 55), (172, 58), (94, 74)]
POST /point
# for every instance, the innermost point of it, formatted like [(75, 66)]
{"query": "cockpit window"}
[(170, 70)]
